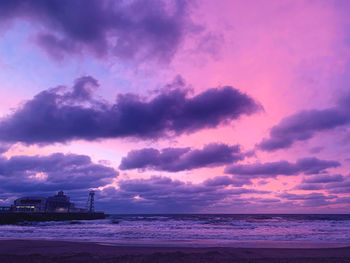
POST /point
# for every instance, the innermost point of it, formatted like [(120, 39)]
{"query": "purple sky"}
[(177, 106)]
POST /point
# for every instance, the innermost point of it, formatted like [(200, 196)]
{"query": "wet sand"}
[(37, 251)]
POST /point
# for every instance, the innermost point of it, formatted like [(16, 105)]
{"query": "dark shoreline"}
[(64, 251)]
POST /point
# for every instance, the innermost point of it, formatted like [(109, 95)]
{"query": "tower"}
[(91, 202)]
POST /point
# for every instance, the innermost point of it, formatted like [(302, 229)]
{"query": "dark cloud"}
[(226, 181), (264, 201), (331, 183), (309, 186), (339, 187), (57, 171), (58, 115), (162, 194), (4, 147), (179, 159), (165, 195), (272, 169), (315, 200), (317, 149), (324, 178), (304, 125), (310, 200), (139, 29)]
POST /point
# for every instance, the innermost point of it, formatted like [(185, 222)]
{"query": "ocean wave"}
[(204, 229)]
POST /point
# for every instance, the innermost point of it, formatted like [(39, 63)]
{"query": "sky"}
[(176, 106)]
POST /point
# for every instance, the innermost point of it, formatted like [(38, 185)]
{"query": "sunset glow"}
[(179, 106)]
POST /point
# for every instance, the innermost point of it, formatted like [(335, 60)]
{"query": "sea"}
[(194, 230)]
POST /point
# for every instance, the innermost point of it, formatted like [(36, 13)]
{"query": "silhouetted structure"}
[(91, 202), (53, 208), (59, 203), (30, 204)]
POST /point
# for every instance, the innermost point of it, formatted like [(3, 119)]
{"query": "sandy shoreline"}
[(64, 251)]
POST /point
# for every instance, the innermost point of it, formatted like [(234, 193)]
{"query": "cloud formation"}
[(324, 178), (224, 180), (180, 159), (139, 29), (331, 183), (311, 199), (58, 115), (305, 124), (162, 194), (272, 169), (52, 172), (339, 187)]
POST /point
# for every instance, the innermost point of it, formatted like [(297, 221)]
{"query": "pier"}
[(7, 218)]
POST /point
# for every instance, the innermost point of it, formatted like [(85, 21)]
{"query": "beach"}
[(64, 251)]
